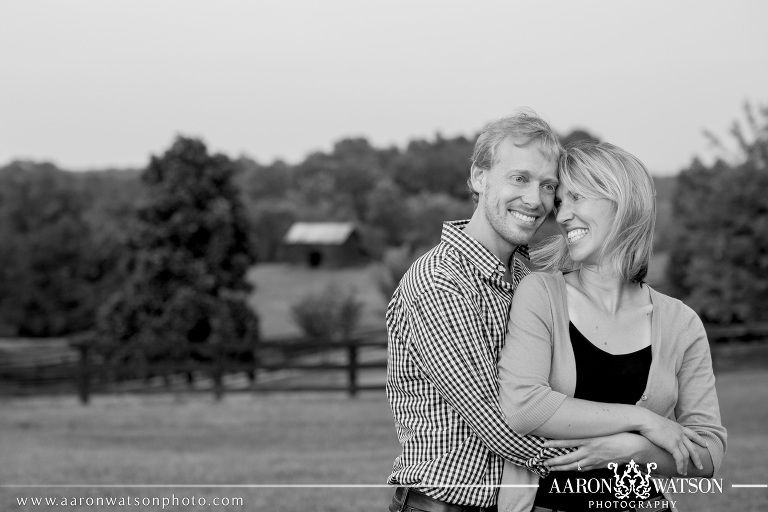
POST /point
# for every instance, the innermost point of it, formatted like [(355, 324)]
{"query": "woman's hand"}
[(594, 452), (675, 439)]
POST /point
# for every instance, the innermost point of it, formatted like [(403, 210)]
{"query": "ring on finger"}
[(578, 466)]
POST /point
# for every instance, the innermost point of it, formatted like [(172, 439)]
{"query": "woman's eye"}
[(518, 179)]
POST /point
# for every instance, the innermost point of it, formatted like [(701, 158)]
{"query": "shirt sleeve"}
[(697, 406), (450, 345), (526, 397)]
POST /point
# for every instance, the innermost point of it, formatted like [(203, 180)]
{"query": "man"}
[(447, 322)]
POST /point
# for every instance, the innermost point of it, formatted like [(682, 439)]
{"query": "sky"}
[(89, 84)]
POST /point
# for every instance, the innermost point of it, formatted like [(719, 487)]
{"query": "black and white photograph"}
[(490, 256)]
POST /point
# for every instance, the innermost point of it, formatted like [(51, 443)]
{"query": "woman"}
[(594, 354)]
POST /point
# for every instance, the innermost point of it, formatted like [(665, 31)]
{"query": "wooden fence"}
[(285, 365)]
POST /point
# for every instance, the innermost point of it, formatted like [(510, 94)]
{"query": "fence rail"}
[(290, 364), (284, 365)]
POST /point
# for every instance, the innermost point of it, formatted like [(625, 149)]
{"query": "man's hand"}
[(594, 452)]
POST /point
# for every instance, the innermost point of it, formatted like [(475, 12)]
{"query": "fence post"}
[(352, 369), (218, 379), (84, 375)]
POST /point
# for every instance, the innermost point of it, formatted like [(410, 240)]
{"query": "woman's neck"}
[(606, 289)]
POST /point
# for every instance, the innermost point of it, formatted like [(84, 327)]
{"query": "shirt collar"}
[(480, 257)]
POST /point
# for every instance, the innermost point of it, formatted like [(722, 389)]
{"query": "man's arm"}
[(449, 343)]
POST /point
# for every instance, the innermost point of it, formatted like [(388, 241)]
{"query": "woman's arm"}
[(697, 406), (597, 452), (581, 417), (532, 406), (666, 464)]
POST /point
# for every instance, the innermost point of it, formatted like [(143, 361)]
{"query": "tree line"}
[(129, 252)]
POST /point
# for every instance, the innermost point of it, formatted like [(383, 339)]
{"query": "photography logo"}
[(631, 486), (632, 481)]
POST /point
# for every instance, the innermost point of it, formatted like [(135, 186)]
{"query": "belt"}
[(421, 501), (662, 508)]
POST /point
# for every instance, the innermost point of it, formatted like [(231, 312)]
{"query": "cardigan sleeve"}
[(697, 406), (525, 395)]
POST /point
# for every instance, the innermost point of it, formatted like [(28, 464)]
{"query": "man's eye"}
[(549, 187), (518, 179)]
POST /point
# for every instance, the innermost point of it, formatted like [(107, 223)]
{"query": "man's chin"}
[(523, 236), (519, 240), (516, 233)]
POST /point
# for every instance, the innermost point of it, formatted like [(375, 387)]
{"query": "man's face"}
[(518, 191)]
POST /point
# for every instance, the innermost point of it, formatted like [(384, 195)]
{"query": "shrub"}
[(331, 314)]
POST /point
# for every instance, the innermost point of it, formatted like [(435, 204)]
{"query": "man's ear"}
[(477, 177)]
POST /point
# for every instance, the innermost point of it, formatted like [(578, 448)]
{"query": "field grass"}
[(277, 439), (279, 286), (298, 439)]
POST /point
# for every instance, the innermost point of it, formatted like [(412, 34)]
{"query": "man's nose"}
[(532, 197)]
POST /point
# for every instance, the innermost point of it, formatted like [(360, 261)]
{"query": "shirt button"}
[(644, 397)]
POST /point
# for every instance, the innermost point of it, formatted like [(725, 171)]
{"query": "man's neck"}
[(479, 229)]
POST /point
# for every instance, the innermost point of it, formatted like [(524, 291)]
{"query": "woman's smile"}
[(577, 234)]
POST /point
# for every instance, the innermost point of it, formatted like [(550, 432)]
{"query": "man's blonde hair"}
[(525, 127)]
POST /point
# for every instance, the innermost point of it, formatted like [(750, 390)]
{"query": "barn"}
[(324, 244)]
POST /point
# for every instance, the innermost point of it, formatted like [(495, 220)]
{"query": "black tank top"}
[(600, 377)]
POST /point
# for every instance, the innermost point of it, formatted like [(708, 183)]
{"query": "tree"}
[(270, 220), (719, 256), (576, 135), (385, 212), (260, 182), (185, 296), (341, 178), (427, 212), (440, 166), (57, 261)]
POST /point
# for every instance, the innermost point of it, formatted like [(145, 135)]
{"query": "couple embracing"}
[(501, 380)]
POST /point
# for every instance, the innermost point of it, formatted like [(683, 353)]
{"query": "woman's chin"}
[(575, 256), (581, 257)]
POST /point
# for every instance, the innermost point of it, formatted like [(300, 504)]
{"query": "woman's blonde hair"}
[(600, 170)]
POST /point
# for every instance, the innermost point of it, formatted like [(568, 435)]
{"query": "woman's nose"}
[(564, 214)]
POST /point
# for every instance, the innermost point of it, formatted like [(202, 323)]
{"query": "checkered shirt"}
[(446, 325)]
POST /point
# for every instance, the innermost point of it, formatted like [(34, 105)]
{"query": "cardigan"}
[(537, 369)]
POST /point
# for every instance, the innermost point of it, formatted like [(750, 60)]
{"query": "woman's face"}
[(585, 224)]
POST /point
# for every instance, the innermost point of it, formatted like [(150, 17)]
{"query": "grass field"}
[(279, 286), (278, 439)]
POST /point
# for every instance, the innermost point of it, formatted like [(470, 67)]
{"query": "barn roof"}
[(326, 233)]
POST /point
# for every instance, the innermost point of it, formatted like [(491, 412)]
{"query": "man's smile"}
[(529, 219)]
